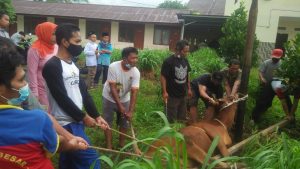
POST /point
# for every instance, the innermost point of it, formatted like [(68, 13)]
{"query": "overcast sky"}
[(140, 3)]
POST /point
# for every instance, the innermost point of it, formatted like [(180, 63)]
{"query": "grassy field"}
[(147, 123)]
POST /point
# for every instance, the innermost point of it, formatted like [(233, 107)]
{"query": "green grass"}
[(147, 124)]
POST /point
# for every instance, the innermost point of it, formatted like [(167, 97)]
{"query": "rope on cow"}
[(132, 138), (235, 101), (119, 152)]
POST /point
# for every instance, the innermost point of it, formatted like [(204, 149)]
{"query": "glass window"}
[(161, 35), (126, 33)]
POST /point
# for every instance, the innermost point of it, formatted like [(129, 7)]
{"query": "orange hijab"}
[(44, 33)]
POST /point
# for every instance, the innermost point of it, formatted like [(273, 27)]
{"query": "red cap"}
[(277, 53)]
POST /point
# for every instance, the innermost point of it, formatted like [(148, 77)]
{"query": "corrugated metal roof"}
[(208, 7), (103, 12)]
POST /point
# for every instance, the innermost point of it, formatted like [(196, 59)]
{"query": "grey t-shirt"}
[(268, 68)]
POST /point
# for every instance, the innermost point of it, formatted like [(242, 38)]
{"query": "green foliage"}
[(172, 4), (232, 44), (116, 55), (7, 7), (205, 60), (273, 152), (289, 69), (150, 60)]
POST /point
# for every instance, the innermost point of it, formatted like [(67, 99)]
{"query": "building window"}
[(161, 36), (31, 22), (59, 21), (98, 27), (126, 33)]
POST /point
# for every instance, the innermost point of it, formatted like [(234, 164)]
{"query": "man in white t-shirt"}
[(120, 92), (90, 52)]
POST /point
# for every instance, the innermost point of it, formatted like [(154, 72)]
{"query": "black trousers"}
[(264, 101), (100, 69)]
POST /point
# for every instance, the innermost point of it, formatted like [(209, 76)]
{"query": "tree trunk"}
[(246, 68)]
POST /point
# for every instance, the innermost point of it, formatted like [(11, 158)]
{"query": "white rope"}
[(235, 101)]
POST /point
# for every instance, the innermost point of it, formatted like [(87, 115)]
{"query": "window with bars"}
[(161, 35)]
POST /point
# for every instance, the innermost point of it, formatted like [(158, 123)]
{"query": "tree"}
[(232, 44), (248, 53), (289, 69), (172, 5), (7, 7)]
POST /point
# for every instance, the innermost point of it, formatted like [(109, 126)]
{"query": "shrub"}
[(289, 69), (232, 44), (205, 60)]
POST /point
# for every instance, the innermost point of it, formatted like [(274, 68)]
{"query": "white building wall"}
[(269, 12), (20, 23)]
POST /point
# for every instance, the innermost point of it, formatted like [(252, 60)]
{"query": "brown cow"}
[(199, 136)]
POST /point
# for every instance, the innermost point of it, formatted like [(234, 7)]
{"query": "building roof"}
[(208, 7), (102, 12)]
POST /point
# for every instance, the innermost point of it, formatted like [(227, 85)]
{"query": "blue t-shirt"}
[(104, 58)]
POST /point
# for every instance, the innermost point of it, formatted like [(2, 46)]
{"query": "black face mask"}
[(275, 60), (75, 50)]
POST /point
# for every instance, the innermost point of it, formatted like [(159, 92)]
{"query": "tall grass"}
[(205, 60), (277, 152)]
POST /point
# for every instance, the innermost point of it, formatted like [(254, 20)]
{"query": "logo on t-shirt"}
[(180, 74)]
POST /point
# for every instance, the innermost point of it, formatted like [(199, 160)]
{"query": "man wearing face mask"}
[(120, 92), (175, 82), (266, 93), (68, 94), (27, 137)]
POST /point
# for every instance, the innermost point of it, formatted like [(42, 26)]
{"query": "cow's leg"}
[(198, 154), (221, 145)]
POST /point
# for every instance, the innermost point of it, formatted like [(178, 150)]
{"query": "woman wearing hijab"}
[(40, 52)]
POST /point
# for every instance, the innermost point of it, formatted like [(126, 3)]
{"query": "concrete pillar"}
[(114, 35), (82, 27), (148, 36), (20, 23)]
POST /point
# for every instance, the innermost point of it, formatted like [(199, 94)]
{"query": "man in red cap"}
[(266, 75)]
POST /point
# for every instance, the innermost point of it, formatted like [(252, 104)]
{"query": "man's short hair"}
[(22, 33), (2, 14), (181, 44), (234, 62), (65, 31), (105, 34), (10, 60), (218, 76), (126, 51), (91, 33)]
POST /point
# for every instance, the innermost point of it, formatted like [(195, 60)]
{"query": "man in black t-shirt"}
[(175, 82), (208, 87)]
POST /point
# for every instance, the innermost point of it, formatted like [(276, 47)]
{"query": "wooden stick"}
[(135, 146), (233, 149)]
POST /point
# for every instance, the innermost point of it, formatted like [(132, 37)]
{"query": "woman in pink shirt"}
[(39, 53)]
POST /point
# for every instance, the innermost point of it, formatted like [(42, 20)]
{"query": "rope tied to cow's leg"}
[(132, 138)]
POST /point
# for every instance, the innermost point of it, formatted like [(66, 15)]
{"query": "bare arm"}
[(164, 87), (261, 78), (202, 91), (227, 88), (235, 87), (133, 96), (115, 95)]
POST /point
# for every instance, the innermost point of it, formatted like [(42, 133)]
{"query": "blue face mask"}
[(24, 93), (128, 66)]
